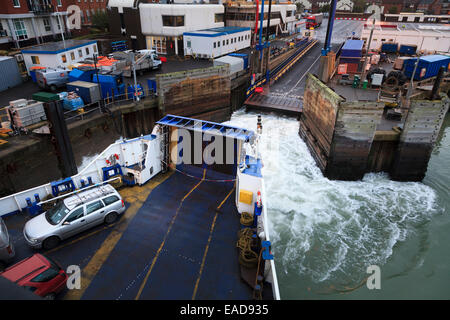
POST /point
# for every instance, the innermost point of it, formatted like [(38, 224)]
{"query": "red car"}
[(38, 274)]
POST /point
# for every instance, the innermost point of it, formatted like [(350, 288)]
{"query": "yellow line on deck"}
[(136, 196), (165, 237), (207, 244)]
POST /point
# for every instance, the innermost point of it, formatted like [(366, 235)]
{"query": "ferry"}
[(191, 230)]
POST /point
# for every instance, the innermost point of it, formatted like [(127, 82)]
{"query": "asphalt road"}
[(293, 82)]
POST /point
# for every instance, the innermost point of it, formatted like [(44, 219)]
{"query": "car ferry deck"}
[(176, 240)]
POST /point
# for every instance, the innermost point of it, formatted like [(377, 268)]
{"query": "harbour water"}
[(326, 233)]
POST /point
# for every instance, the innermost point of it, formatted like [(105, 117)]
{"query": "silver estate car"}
[(73, 215)]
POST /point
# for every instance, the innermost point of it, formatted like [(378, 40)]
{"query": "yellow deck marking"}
[(207, 244), (165, 237), (136, 196)]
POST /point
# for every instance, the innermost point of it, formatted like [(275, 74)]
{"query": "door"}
[(73, 224), (94, 213)]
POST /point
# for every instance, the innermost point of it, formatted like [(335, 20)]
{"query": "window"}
[(87, 51), (47, 26), (20, 30), (35, 60), (94, 206), (72, 55), (78, 213), (214, 45), (95, 48), (223, 42), (173, 21), (188, 43), (58, 2), (58, 24), (3, 32), (16, 3), (64, 58), (218, 17), (110, 200), (218, 43), (45, 276), (80, 53), (231, 40), (227, 42)]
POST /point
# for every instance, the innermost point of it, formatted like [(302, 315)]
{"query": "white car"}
[(73, 215)]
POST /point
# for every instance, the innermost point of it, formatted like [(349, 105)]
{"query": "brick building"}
[(29, 22)]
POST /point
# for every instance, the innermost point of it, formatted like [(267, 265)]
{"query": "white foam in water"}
[(330, 230)]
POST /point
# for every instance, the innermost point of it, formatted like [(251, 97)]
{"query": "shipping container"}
[(407, 49), (389, 47), (236, 64), (428, 66), (10, 74), (352, 49), (89, 92), (243, 56)]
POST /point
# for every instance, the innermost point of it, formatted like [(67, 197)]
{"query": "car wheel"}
[(111, 217), (50, 296), (50, 243)]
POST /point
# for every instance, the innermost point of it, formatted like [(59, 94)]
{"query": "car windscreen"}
[(57, 213)]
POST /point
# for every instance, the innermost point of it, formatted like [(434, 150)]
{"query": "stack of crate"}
[(24, 112)]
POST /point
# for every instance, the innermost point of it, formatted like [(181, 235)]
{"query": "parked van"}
[(73, 215), (6, 246)]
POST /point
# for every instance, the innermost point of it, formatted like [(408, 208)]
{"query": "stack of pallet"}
[(24, 112)]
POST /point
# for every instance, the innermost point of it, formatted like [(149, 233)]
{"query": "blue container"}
[(352, 49), (389, 47), (409, 50), (81, 74), (243, 56), (110, 84), (131, 91), (151, 85), (33, 75), (428, 66)]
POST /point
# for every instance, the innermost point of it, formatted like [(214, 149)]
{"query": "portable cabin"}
[(216, 42), (59, 54)]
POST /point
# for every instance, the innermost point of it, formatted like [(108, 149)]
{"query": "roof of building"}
[(58, 47), (216, 32)]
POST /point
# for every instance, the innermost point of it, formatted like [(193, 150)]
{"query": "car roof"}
[(89, 195), (26, 268)]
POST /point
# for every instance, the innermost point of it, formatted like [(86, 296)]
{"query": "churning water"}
[(326, 233)]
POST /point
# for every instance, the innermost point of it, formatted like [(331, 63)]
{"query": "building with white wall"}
[(59, 54), (282, 20), (163, 25), (216, 42), (428, 38)]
